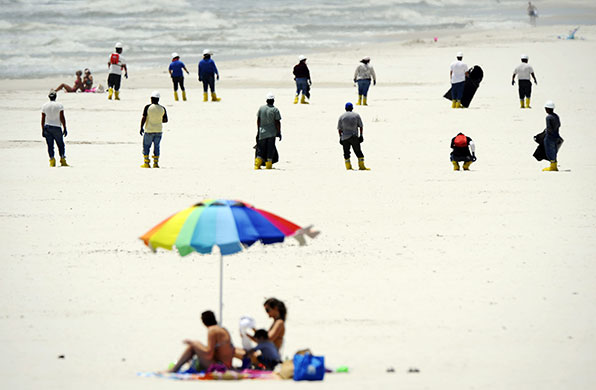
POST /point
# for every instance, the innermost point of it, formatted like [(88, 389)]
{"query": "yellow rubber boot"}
[(458, 104), (364, 101), (205, 96), (296, 99), (116, 95), (552, 167), (528, 103), (52, 162), (361, 165), (214, 97), (269, 164), (110, 93), (155, 161), (348, 165), (521, 103), (453, 104), (63, 162), (455, 165), (359, 100), (303, 100), (184, 95), (146, 164), (175, 95), (467, 165), (258, 162)]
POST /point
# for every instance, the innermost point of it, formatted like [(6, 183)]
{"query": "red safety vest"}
[(461, 141), (115, 58)]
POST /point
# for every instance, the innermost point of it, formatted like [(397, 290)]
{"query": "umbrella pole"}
[(220, 289)]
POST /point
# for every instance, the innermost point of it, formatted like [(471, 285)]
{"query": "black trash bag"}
[(475, 76)]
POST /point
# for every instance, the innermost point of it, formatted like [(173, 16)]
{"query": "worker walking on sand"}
[(176, 67), (115, 65), (268, 127), (552, 139), (154, 115), (207, 74), (462, 149), (351, 135), (302, 78), (52, 118), (458, 73), (363, 75), (523, 73)]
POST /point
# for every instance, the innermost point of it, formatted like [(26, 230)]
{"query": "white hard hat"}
[(155, 94), (301, 57), (367, 58), (459, 54), (207, 51), (549, 104), (174, 55), (270, 96), (118, 45), (524, 56)]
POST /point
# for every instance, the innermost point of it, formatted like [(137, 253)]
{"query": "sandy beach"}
[(480, 279)]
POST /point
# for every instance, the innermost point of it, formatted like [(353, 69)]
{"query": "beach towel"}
[(215, 375)]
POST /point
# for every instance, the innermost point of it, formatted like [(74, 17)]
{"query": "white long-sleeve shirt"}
[(365, 72)]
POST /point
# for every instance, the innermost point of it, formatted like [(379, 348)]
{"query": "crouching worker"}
[(219, 348), (552, 139), (154, 115), (351, 135), (264, 356), (463, 149), (52, 118)]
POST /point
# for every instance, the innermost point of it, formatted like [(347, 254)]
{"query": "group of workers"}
[(350, 126)]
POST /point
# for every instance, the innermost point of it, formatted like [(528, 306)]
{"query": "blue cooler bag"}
[(309, 368)]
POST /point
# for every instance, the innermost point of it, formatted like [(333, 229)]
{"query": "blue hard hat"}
[(349, 105)]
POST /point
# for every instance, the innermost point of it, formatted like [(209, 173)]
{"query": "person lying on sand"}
[(219, 348), (78, 85)]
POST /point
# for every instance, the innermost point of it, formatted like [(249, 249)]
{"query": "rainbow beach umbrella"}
[(230, 225)]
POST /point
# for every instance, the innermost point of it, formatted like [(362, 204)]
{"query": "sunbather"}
[(78, 85), (276, 309)]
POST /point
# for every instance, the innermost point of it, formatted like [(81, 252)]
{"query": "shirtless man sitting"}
[(219, 348)]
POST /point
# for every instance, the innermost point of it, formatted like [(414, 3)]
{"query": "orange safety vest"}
[(461, 141), (115, 59)]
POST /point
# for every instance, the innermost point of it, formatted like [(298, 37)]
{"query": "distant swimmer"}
[(154, 115), (268, 127), (363, 75), (462, 149), (532, 13), (116, 65), (53, 122), (523, 73), (351, 135), (552, 139), (77, 86), (458, 73), (207, 74), (175, 69), (302, 78)]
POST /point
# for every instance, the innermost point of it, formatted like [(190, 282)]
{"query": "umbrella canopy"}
[(230, 225)]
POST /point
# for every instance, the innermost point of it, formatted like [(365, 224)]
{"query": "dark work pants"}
[(457, 90), (354, 143), (178, 81), (267, 148), (209, 82), (51, 134), (114, 81), (525, 89)]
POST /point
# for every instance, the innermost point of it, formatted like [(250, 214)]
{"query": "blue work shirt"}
[(207, 67), (176, 68)]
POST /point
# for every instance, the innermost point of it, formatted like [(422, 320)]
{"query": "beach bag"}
[(308, 367), (461, 141), (115, 58)]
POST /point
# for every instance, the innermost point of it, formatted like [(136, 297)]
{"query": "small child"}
[(265, 355), (463, 149)]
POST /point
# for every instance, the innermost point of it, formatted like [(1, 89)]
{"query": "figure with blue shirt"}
[(207, 74), (175, 69)]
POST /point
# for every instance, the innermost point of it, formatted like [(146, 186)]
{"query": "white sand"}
[(481, 279)]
